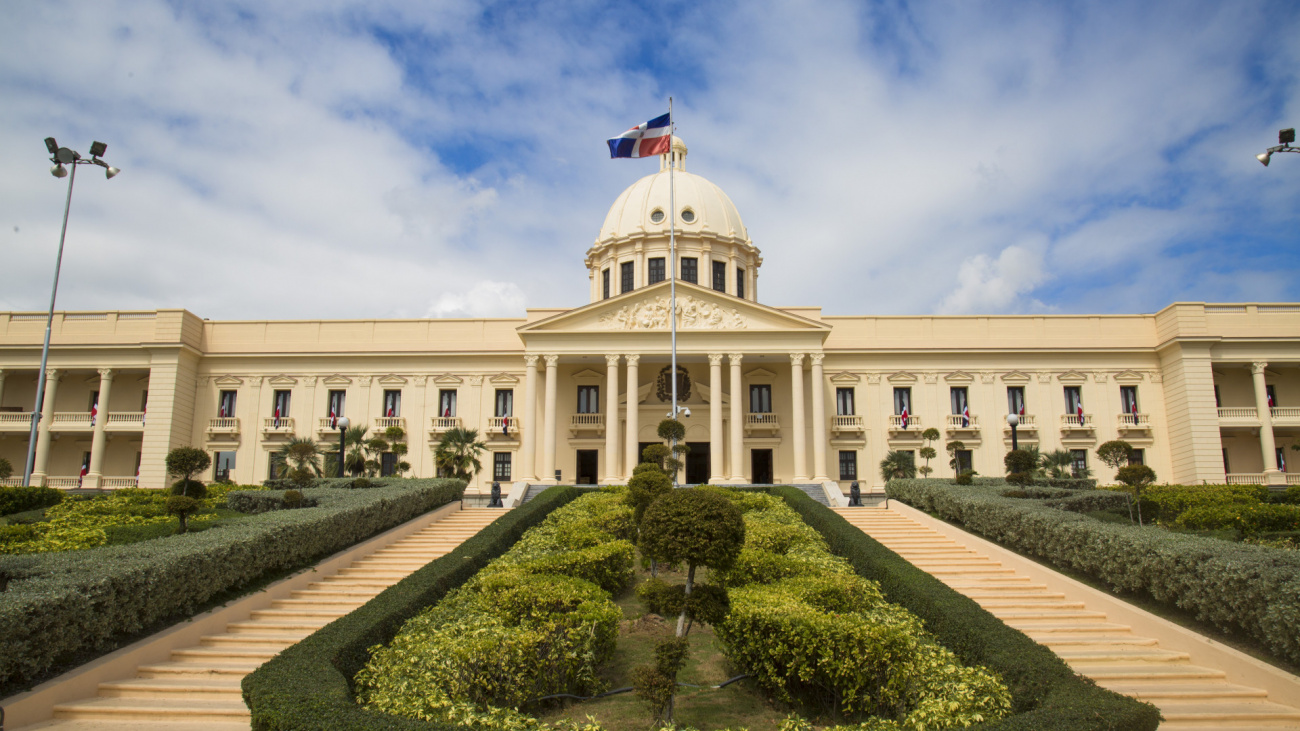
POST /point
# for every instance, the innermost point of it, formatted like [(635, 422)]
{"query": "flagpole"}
[(672, 257)]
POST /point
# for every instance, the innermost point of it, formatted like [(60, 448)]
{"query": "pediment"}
[(587, 374), (901, 377), (1075, 377), (844, 377), (336, 380), (959, 377), (503, 378), (281, 380), (1128, 378), (447, 379), (228, 381), (392, 380), (1016, 377), (760, 373), (698, 309)]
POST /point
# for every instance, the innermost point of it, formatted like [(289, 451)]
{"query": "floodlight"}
[(1286, 136), (51, 145), (1263, 157), (97, 149), (66, 156), (58, 171), (110, 172)]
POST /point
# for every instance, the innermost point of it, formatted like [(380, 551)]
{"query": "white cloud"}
[(986, 284), (484, 299)]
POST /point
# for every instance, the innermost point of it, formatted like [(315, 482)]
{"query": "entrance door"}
[(760, 463), (697, 463), (587, 466)]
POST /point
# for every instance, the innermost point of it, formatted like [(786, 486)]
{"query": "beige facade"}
[(779, 394)]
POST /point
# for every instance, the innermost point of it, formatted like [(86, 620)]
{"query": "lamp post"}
[(1013, 419), (343, 424), (60, 156), (1284, 137)]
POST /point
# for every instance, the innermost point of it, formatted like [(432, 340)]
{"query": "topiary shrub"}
[(184, 462), (965, 477), (1019, 461), (183, 507), (6, 469), (646, 486), (190, 488), (292, 499)]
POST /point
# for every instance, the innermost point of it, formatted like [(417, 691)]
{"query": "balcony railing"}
[(1133, 422), (125, 421), (383, 422), (440, 424), (957, 422), (1246, 478), (846, 423), (1293, 479), (1285, 414), (1028, 422), (117, 483), (501, 426), (63, 483), (223, 425), (11, 481), (1074, 422), (71, 420), (761, 421), (587, 422), (285, 426), (15, 420), (913, 423), (1239, 412), (323, 426)]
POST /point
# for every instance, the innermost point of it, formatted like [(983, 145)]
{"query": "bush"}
[(965, 477), (182, 507), (60, 604), (1136, 475), (6, 469), (1091, 501), (292, 499), (1166, 502), (21, 499), (1249, 519), (1020, 461), (190, 488), (308, 686), (1243, 588), (264, 501)]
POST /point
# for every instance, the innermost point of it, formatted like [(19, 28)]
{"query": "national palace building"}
[(1204, 392)]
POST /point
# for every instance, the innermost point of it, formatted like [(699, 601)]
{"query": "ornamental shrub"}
[(1166, 502), (1249, 519), (182, 507), (1020, 461), (190, 488), (645, 486), (21, 499), (965, 477)]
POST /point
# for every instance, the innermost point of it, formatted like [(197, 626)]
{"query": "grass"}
[(740, 704)]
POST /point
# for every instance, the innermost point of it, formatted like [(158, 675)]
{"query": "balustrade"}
[(1073, 421), (383, 422), (71, 420), (1239, 412), (1133, 422), (440, 424), (1285, 415), (896, 423), (586, 422), (223, 425), (285, 425), (846, 423), (957, 422), (15, 420), (503, 425), (1028, 422), (125, 421), (1246, 478)]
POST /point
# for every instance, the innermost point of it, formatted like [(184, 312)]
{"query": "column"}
[(633, 415), (751, 290), (797, 428), (548, 433), (731, 285), (611, 420), (819, 419), (527, 450), (639, 276), (98, 441), (706, 269), (737, 419), (2, 386), (716, 474), (52, 377), (1267, 444)]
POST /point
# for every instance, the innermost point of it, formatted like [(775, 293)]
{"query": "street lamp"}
[(60, 156), (343, 433), (1284, 137), (1014, 420)]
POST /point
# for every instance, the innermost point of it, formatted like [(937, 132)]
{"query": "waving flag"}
[(390, 410), (144, 411), (903, 417), (85, 468), (505, 426), (1022, 408), (1078, 410), (446, 412), (1133, 409), (965, 416), (334, 419), (277, 416), (650, 138), (94, 413)]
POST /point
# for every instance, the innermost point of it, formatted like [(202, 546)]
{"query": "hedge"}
[(1046, 694), (59, 606), (21, 499), (264, 501), (1254, 590), (309, 685)]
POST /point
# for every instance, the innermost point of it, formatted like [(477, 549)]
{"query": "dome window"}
[(688, 215), (656, 216)]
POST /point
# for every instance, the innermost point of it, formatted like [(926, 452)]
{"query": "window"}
[(337, 400), (276, 469), (1217, 403), (844, 402), (1016, 400), (604, 282), (688, 215), (760, 398), (627, 270), (226, 404), (1137, 456), (588, 399), (1271, 395), (387, 464), (957, 395), (903, 401), (501, 466), (393, 403), (963, 457), (691, 270), (223, 463), (740, 282), (656, 270), (720, 276), (505, 403), (1079, 462), (1128, 399), (281, 405), (848, 465), (446, 403), (1073, 399)]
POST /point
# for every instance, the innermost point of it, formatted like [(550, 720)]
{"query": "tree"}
[(396, 437), (457, 453), (952, 448), (897, 465), (673, 432), (647, 484), (1057, 462), (1020, 466), (927, 452), (184, 462), (1136, 477), (302, 455), (182, 507), (1115, 453), (6, 469)]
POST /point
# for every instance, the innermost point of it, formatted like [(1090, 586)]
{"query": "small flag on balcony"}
[(277, 416), (965, 416), (505, 426), (389, 413), (1022, 409), (646, 139), (446, 413), (1133, 409), (334, 419), (85, 468), (902, 418), (1078, 411), (143, 411), (94, 412), (1270, 400)]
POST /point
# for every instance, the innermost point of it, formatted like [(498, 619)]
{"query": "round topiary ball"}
[(698, 527), (190, 488)]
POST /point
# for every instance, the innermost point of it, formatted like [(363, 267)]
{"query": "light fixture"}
[(1284, 137), (58, 171), (1263, 157), (110, 172)]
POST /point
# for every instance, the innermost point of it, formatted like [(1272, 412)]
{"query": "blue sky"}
[(413, 159)]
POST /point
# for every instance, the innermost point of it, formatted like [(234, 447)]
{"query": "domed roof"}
[(702, 207)]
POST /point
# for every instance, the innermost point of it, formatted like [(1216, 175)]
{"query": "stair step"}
[(1208, 712), (1064, 640), (298, 613), (198, 669), (1073, 628), (215, 687), (1164, 689), (1029, 604), (190, 709), (1106, 673), (277, 626), (225, 654), (253, 640), (1019, 616), (1120, 654)]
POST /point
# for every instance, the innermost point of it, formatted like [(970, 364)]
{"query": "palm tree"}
[(897, 464), (303, 457), (457, 453), (354, 440), (1057, 462)]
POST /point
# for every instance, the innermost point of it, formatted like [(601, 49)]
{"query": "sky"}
[(330, 159)]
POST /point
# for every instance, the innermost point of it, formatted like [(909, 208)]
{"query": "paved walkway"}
[(1114, 655), (199, 688)]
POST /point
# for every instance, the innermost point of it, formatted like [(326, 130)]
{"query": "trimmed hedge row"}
[(21, 499), (1046, 694), (1236, 586), (309, 685), (57, 606), (264, 501)]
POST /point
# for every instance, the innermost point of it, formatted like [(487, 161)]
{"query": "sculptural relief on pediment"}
[(692, 314)]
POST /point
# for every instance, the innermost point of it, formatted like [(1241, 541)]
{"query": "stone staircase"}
[(1189, 696), (198, 689)]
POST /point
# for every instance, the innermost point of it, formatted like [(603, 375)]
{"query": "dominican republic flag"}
[(446, 413), (143, 411), (1270, 401), (334, 419), (1133, 409), (390, 411), (651, 138), (85, 468), (1078, 411), (94, 412), (903, 417), (965, 416), (277, 417), (1022, 408), (505, 426), (221, 411)]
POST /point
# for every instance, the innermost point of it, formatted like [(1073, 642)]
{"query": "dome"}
[(702, 208)]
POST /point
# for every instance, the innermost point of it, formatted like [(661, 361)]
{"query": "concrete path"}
[(198, 688), (1124, 656)]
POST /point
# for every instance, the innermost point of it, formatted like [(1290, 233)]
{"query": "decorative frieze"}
[(692, 314)]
